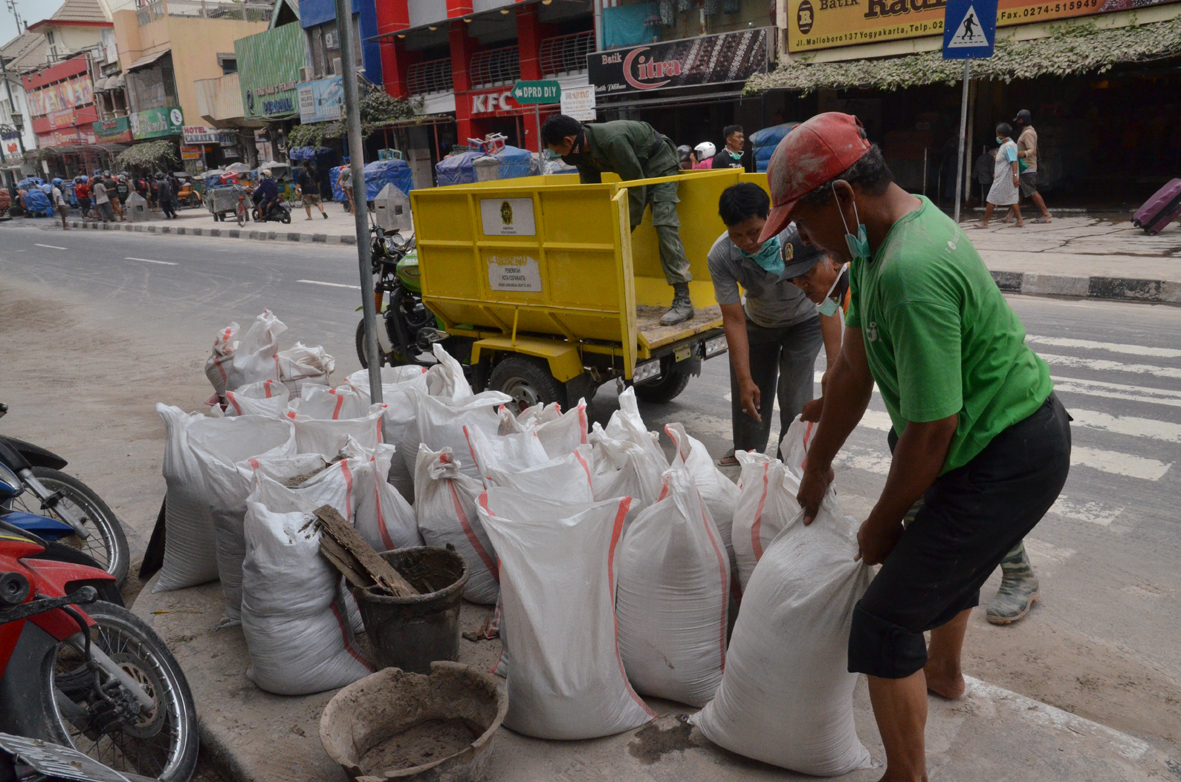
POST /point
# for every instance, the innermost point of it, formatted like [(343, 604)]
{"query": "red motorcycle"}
[(86, 673)]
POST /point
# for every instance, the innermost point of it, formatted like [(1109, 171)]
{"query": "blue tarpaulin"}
[(460, 169), (765, 141), (624, 25), (37, 203), (378, 174)]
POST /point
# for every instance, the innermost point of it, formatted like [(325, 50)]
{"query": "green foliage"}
[(378, 108), (147, 154), (1073, 48)]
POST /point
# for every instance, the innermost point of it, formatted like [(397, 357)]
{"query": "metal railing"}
[(494, 67), (423, 78), (150, 10), (565, 53)]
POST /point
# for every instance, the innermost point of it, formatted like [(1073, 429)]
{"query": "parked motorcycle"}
[(83, 673), (407, 329), (93, 527)]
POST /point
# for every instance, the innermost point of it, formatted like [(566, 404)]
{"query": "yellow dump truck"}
[(545, 294)]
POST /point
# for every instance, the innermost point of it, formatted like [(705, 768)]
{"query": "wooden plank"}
[(653, 335), (356, 560)]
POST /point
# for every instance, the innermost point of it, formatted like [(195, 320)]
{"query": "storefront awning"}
[(148, 59), (1073, 50)]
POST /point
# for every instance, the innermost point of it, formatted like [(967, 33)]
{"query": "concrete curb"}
[(225, 233), (1078, 287)]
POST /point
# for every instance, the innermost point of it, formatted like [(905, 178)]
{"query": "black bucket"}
[(412, 632)]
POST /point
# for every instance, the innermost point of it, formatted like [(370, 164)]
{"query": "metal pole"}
[(959, 169), (12, 107), (352, 110), (537, 120)]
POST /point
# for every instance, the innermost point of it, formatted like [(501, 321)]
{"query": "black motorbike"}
[(278, 212)]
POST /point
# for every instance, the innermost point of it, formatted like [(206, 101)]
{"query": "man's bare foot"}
[(945, 681), (1020, 224)]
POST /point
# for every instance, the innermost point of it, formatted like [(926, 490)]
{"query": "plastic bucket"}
[(412, 632)]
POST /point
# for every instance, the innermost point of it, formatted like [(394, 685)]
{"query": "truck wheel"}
[(528, 381), (671, 383)]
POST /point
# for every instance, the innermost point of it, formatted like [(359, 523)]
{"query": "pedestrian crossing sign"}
[(969, 29)]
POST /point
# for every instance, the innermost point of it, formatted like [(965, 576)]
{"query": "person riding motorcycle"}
[(266, 195)]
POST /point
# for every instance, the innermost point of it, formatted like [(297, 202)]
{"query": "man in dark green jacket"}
[(633, 150)]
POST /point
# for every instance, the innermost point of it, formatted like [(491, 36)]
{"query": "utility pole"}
[(352, 110), (19, 126)]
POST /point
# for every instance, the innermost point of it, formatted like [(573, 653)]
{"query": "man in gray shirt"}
[(775, 337)]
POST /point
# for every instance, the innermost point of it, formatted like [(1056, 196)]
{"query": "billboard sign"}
[(112, 131), (321, 101), (690, 62), (155, 123), (579, 103)]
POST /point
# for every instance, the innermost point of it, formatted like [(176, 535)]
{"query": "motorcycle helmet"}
[(122, 177), (684, 151), (106, 173), (159, 175), (705, 149), (265, 173), (57, 181)]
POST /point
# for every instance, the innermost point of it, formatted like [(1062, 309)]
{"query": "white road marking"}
[(1136, 427), (149, 260), (50, 246), (1155, 396), (1104, 365), (1043, 553), (330, 284), (1092, 512), (859, 458), (1113, 347), (1119, 463)]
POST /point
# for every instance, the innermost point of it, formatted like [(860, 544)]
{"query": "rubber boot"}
[(1019, 589), (682, 309)]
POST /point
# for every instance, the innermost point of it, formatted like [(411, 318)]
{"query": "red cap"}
[(808, 157)]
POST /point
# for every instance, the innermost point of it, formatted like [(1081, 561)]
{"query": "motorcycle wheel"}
[(162, 743), (286, 217), (107, 544), (391, 359)]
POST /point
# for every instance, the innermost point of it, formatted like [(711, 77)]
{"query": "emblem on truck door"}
[(506, 212)]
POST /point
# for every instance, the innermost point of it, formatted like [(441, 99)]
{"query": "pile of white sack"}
[(615, 573)]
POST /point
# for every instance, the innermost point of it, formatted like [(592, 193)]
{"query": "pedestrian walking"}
[(1027, 163), (308, 188), (112, 186), (1005, 177), (102, 201), (123, 191), (164, 195), (980, 434), (82, 193), (59, 201), (346, 184)]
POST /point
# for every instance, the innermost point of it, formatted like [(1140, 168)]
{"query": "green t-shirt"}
[(939, 336)]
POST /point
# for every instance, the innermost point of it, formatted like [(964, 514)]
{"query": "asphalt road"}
[(1106, 555)]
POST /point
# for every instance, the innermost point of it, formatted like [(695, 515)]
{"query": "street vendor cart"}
[(231, 201)]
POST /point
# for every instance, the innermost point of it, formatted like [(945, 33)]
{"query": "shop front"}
[(269, 66), (207, 149)]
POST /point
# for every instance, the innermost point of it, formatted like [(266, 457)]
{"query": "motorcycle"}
[(407, 329), (278, 213), (83, 673), (83, 520)]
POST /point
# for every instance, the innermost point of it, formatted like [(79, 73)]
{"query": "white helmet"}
[(705, 149)]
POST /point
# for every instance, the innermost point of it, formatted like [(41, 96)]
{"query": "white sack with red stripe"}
[(327, 437), (786, 697), (383, 517), (190, 553), (766, 503), (626, 424), (568, 478), (305, 365), (268, 398), (293, 614), (719, 492), (219, 444), (445, 504), (396, 383), (794, 445), (217, 366), (509, 452), (331, 404), (559, 433), (438, 424), (558, 564), (624, 469), (674, 591), (256, 357), (530, 416)]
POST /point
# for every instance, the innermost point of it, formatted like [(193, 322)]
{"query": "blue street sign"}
[(969, 29)]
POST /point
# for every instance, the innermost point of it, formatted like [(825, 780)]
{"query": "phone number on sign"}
[(1049, 9)]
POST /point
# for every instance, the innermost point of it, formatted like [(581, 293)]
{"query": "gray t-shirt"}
[(771, 302), (100, 193)]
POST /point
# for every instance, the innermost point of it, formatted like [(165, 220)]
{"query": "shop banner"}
[(691, 62), (199, 134), (579, 103), (268, 69), (68, 94), (321, 101), (11, 142), (113, 131), (190, 153), (155, 123), (64, 118), (826, 24)]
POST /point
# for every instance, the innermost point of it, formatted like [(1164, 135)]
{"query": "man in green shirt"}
[(981, 438), (633, 150)]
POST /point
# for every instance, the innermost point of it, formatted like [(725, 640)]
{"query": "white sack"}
[(268, 398), (305, 365), (396, 383), (786, 697), (293, 616), (328, 437), (445, 504), (331, 404), (626, 424), (766, 503), (568, 477), (383, 517), (530, 416), (509, 453), (794, 446), (446, 379), (256, 357), (218, 364), (624, 469), (190, 553), (565, 680), (439, 424), (562, 435), (674, 590), (719, 492), (219, 444)]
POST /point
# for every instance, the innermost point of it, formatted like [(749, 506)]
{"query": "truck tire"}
[(670, 385), (528, 381)]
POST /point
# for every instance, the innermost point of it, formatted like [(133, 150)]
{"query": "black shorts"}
[(1028, 183), (971, 517)]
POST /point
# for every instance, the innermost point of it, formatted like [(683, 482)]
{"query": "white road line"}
[(1091, 512), (149, 260), (330, 284), (1104, 365), (1043, 553), (50, 246), (1136, 427), (1154, 396), (1119, 463), (1113, 347), (866, 459)]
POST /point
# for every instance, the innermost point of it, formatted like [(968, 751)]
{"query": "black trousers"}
[(971, 517)]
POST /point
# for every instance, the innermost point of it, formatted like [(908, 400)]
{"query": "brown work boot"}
[(682, 308)]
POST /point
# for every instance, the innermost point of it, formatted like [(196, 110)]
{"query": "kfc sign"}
[(495, 103)]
